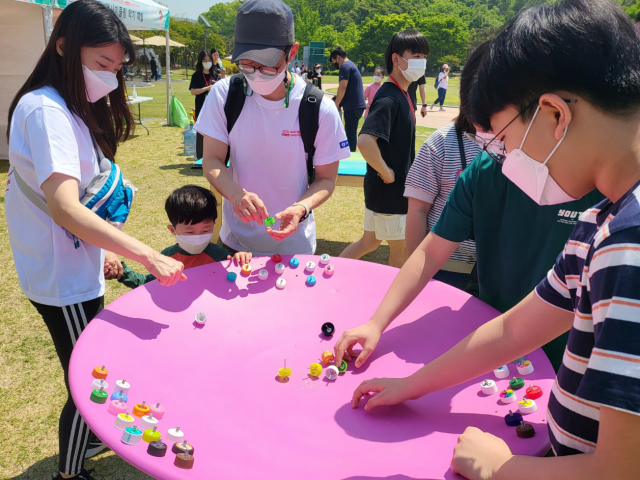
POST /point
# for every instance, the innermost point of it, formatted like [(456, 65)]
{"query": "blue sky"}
[(189, 8)]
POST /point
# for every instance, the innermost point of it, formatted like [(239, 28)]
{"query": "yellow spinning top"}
[(315, 369), (284, 372)]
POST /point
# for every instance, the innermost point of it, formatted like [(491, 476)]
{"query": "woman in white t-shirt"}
[(53, 122), (443, 84)]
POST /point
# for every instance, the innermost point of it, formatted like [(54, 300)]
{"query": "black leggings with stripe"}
[(65, 325)]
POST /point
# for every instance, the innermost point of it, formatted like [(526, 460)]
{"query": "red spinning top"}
[(533, 392), (276, 258)]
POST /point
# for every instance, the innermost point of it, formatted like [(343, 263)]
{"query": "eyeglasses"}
[(268, 71), (495, 148)]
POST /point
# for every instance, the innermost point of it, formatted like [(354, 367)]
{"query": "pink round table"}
[(218, 381)]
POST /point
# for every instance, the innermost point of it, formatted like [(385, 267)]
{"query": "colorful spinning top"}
[(140, 409), (246, 269), (123, 385), (148, 421), (533, 392), (526, 405), (329, 270), (116, 407), (284, 373), (324, 259), (100, 372), (328, 329), (184, 461), (516, 383), (157, 449), (315, 369), (263, 274), (151, 435), (513, 419), (276, 258), (201, 318), (281, 283), (123, 420), (294, 262), (269, 221), (332, 372), (99, 383), (157, 410), (120, 396), (310, 266), (231, 276), (327, 357), (279, 269), (525, 368), (489, 387), (311, 280), (525, 430), (508, 396), (343, 367), (183, 447), (502, 372), (132, 435), (99, 396), (174, 435)]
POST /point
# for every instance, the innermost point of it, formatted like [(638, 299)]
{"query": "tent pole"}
[(168, 79)]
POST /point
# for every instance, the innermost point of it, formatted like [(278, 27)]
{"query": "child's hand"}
[(391, 391), (367, 335), (242, 258), (479, 455)]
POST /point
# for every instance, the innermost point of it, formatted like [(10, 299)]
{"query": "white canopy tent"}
[(25, 27)]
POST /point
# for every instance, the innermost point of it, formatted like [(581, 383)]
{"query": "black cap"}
[(264, 28)]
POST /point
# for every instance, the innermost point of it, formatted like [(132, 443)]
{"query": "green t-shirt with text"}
[(517, 240)]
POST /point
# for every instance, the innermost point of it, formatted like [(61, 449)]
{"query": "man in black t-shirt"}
[(412, 90), (387, 143)]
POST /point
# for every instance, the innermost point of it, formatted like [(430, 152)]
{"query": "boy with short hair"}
[(192, 211), (578, 96), (387, 142)]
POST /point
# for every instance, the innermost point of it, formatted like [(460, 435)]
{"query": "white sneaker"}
[(441, 109), (431, 107)]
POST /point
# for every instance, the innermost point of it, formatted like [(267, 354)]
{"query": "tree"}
[(307, 23), (375, 34), (447, 35)]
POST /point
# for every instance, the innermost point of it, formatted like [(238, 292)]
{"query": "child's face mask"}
[(194, 244)]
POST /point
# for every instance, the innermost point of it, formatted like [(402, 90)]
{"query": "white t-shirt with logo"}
[(267, 158), (47, 138)]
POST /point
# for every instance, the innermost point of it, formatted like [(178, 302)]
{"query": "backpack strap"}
[(463, 158), (234, 104), (309, 116)]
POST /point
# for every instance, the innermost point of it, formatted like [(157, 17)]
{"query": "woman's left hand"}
[(112, 266), (479, 455), (289, 220)]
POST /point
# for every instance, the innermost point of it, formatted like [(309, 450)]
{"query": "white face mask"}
[(194, 244), (533, 177), (318, 70), (264, 84), (99, 83), (207, 65), (377, 79), (416, 68)]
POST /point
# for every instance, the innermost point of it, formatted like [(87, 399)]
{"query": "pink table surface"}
[(218, 382)]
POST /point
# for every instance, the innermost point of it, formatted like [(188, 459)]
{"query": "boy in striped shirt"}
[(559, 90)]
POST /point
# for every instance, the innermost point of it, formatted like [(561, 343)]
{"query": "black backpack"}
[(309, 114)]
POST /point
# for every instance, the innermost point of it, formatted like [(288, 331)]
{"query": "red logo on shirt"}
[(291, 133)]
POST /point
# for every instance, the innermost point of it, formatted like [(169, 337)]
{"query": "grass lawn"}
[(31, 381)]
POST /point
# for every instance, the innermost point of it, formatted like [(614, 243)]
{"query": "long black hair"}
[(199, 67), (85, 23)]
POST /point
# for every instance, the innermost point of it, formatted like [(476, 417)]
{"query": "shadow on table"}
[(396, 477), (142, 328)]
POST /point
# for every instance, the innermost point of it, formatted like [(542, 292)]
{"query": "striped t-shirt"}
[(597, 277), (433, 175)]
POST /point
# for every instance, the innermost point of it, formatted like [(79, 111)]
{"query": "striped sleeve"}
[(612, 377), (423, 180), (553, 289)]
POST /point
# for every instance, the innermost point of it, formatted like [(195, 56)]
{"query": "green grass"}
[(32, 390)]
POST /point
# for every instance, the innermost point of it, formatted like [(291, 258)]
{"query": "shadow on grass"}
[(185, 169), (334, 248)]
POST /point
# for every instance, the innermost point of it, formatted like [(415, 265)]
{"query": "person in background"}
[(443, 84), (350, 97), (201, 82), (218, 68), (372, 89), (387, 143), (58, 121), (315, 75), (419, 84), (296, 69), (154, 69)]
